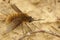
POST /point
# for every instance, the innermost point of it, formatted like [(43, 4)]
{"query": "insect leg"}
[(28, 27), (34, 25)]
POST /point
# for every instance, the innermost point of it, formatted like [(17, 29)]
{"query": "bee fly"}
[(20, 16), (15, 19)]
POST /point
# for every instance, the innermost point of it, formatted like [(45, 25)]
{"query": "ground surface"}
[(49, 10)]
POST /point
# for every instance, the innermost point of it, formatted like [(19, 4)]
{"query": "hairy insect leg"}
[(28, 33), (34, 25), (28, 27), (24, 34)]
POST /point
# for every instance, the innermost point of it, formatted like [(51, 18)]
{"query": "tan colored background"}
[(49, 10)]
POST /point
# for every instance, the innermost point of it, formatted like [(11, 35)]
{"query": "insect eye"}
[(30, 19)]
